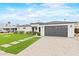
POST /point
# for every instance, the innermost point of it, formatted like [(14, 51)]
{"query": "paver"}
[(6, 45), (26, 39), (15, 42), (21, 40)]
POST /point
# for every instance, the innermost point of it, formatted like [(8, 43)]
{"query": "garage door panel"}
[(56, 31)]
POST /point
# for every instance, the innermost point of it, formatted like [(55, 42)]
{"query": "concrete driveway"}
[(53, 46)]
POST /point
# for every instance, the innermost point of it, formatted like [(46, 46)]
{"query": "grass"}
[(15, 49), (6, 38)]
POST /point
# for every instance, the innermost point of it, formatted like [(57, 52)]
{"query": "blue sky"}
[(25, 13)]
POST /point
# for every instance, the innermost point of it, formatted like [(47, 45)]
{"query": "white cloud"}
[(77, 15), (67, 14), (10, 9), (28, 14), (55, 5)]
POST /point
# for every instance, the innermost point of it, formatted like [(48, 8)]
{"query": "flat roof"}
[(23, 25), (53, 22)]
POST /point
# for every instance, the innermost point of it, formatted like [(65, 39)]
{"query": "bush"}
[(21, 32), (16, 32), (33, 33), (38, 33), (28, 32)]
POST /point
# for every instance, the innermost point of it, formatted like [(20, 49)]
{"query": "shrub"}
[(21, 32), (34, 33), (16, 32), (28, 32), (38, 33)]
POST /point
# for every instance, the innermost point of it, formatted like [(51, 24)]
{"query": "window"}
[(35, 28), (39, 29)]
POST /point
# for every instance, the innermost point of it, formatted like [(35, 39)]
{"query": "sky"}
[(25, 13)]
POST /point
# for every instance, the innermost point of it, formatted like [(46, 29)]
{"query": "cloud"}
[(54, 5), (77, 15), (10, 9), (45, 12)]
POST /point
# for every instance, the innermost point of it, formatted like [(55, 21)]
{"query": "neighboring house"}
[(12, 28), (77, 28), (77, 25), (24, 28), (9, 28), (55, 28)]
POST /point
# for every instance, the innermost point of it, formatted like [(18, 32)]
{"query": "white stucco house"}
[(13, 28), (77, 25), (24, 28), (9, 28), (55, 28)]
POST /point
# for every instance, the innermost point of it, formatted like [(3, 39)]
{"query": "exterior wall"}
[(35, 29), (77, 25), (27, 29), (36, 25), (71, 29), (42, 30)]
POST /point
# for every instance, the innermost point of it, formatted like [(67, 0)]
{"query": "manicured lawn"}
[(6, 38), (15, 49)]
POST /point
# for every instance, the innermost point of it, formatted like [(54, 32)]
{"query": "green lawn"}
[(14, 49)]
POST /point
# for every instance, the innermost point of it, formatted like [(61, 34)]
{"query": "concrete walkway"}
[(2, 53), (53, 46)]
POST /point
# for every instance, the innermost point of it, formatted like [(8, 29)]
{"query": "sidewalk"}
[(2, 53)]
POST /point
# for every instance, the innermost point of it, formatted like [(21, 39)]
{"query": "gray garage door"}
[(56, 31)]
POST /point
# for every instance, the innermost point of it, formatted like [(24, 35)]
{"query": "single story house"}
[(13, 28), (77, 25), (54, 28), (9, 28), (24, 28)]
